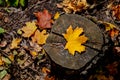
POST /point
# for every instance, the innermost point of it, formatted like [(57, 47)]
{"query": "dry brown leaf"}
[(36, 47), (15, 43), (29, 29), (43, 19), (74, 40), (40, 37), (3, 43), (7, 77), (73, 5)]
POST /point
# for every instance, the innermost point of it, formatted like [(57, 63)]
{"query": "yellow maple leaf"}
[(15, 43), (74, 40), (29, 29), (40, 37), (57, 15), (108, 26)]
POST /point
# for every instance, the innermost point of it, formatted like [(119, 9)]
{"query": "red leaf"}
[(43, 19)]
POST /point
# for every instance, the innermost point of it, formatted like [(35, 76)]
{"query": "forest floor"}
[(20, 63)]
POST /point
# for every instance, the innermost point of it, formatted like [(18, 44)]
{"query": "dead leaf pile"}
[(116, 12), (30, 30), (74, 6), (75, 40)]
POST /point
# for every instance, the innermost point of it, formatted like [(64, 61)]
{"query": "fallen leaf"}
[(74, 40), (2, 74), (118, 49), (74, 5), (6, 19), (7, 77), (11, 57), (29, 29), (2, 30), (19, 31), (6, 60), (33, 53), (3, 43), (14, 52), (36, 47), (45, 70), (43, 19), (1, 61), (113, 33), (23, 3), (108, 26), (15, 43), (40, 37), (57, 15), (116, 11)]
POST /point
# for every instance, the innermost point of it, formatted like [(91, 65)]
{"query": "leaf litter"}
[(27, 33)]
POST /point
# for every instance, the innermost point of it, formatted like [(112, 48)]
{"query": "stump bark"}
[(56, 42)]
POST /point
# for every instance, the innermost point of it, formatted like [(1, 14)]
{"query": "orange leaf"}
[(113, 33), (15, 43), (74, 40), (49, 78), (29, 29), (40, 37), (45, 70), (43, 19), (116, 11)]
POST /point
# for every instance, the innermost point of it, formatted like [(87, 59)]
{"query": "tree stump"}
[(56, 42)]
